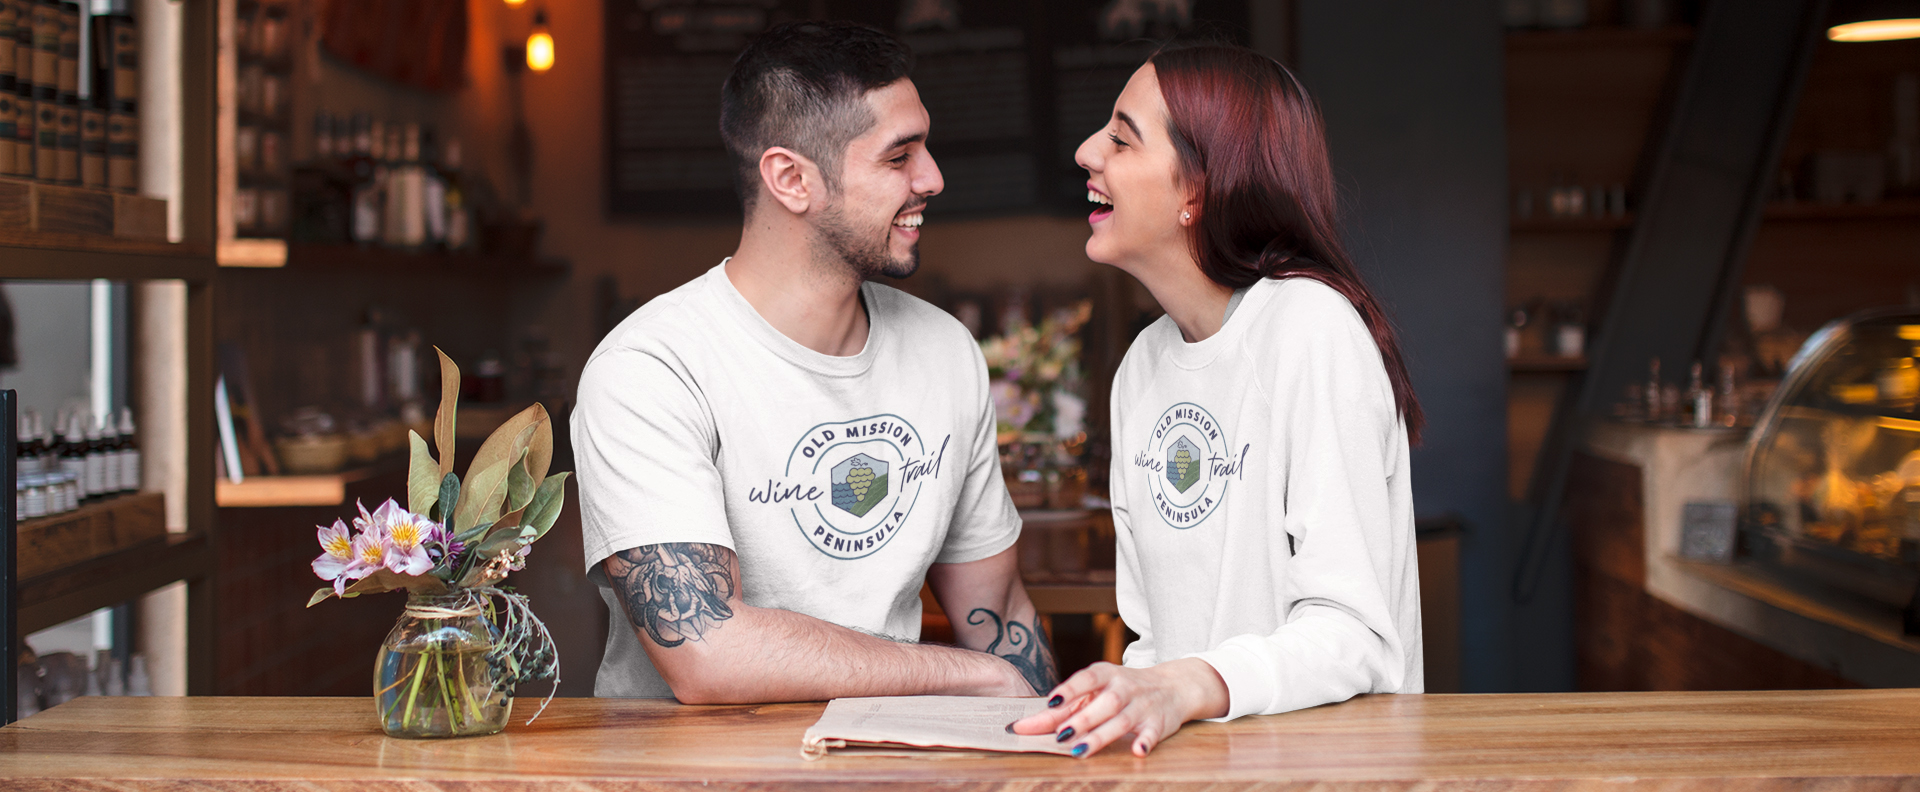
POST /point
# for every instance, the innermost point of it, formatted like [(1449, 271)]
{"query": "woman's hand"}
[(1106, 702)]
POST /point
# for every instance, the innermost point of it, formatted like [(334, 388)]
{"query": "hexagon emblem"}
[(859, 482)]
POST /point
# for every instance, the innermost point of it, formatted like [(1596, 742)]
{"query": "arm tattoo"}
[(1026, 648), (674, 591)]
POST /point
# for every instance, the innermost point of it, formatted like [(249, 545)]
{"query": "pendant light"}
[(540, 44), (1874, 20)]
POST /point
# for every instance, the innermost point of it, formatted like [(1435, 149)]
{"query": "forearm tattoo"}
[(676, 592), (1025, 646)]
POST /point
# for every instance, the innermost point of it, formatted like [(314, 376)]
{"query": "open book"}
[(935, 722)]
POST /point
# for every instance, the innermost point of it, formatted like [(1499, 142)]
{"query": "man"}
[(775, 456)]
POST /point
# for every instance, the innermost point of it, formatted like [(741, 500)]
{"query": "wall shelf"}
[(1807, 211), (1575, 224), (1545, 363), (50, 256), (1598, 37), (107, 580), (97, 528), (356, 258)]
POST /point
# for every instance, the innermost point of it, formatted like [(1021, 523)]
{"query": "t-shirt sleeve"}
[(644, 446), (1335, 408), (984, 520)]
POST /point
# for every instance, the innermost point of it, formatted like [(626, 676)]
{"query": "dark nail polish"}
[(1010, 727), (1080, 750), (1064, 735), (1056, 701)]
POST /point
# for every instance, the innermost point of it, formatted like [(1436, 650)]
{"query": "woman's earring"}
[(1186, 216)]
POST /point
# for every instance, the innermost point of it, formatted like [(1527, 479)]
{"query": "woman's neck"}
[(1197, 304)]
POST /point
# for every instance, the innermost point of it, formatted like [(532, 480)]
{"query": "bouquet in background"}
[(451, 663), (1036, 377)]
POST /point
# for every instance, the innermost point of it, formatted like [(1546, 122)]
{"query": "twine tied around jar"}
[(438, 612)]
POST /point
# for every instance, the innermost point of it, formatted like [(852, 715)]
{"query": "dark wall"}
[(1413, 93)]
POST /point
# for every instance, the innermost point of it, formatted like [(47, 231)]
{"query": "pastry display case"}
[(1832, 487)]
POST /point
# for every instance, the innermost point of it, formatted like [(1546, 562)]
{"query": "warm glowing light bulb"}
[(516, 2), (1876, 30), (540, 50)]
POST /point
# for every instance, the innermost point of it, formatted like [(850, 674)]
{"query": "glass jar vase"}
[(432, 677)]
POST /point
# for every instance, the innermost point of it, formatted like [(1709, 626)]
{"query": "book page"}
[(962, 722)]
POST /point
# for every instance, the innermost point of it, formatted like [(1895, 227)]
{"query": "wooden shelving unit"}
[(74, 589), (1582, 106), (109, 525)]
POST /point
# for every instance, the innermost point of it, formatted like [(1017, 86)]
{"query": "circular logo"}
[(872, 470), (1188, 465)]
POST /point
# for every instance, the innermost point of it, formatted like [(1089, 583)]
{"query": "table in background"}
[(1787, 740)]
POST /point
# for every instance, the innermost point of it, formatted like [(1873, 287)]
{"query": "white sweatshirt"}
[(1263, 505)]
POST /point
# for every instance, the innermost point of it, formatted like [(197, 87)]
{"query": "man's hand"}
[(685, 605)]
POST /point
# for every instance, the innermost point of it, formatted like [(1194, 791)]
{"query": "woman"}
[(1261, 498)]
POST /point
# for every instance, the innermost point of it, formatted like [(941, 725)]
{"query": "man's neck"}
[(815, 304)]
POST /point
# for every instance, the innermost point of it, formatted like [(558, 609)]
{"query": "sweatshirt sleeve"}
[(1336, 428), (1129, 589)]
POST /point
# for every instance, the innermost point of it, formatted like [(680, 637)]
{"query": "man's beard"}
[(866, 257)]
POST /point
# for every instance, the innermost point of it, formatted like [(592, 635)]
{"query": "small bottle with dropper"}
[(129, 452)]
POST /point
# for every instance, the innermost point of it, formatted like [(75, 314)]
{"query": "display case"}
[(1833, 465)]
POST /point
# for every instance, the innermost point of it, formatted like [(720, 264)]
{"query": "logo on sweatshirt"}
[(1188, 465), (849, 487)]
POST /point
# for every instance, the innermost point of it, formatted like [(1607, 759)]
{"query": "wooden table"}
[(1670, 741)]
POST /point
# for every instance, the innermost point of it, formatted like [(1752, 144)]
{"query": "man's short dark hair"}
[(801, 86)]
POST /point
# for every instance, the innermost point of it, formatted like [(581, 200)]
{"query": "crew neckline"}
[(1242, 307), (793, 351)]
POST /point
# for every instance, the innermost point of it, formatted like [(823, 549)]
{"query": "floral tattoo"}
[(1025, 646), (676, 592)]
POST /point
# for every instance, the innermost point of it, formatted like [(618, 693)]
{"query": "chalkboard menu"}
[(1012, 89)]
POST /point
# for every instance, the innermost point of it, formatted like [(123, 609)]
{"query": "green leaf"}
[(546, 505), (423, 476), (486, 482), (322, 595), (443, 420), (520, 486), (449, 499), (540, 449)]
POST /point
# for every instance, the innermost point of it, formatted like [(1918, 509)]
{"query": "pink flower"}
[(370, 551), (337, 550), (404, 534), (406, 544)]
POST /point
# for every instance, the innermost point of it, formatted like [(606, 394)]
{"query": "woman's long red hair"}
[(1252, 146)]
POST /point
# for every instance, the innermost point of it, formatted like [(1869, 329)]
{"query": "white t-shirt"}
[(1263, 504), (836, 480)]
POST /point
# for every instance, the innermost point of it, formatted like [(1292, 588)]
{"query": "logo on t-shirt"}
[(870, 472), (1188, 464)]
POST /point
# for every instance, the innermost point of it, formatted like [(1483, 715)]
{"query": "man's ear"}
[(792, 179)]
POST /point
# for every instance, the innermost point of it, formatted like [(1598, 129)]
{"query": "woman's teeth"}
[(910, 221), (1098, 198)]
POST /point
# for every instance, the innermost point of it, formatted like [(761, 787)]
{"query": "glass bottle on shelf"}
[(94, 466), (1699, 397), (129, 452), (73, 451), (366, 174), (458, 208)]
